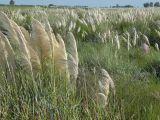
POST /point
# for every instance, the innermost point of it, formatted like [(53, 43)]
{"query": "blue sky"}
[(91, 3)]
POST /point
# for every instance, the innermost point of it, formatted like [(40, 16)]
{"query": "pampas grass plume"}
[(73, 59), (157, 46)]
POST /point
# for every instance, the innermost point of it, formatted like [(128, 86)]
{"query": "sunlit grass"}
[(49, 96)]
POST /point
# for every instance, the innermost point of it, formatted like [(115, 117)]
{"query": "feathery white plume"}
[(34, 58), (128, 41), (22, 53), (8, 47), (101, 100), (105, 83), (157, 46), (41, 41), (26, 34), (145, 48), (135, 37), (7, 29), (117, 41), (60, 56), (73, 59)]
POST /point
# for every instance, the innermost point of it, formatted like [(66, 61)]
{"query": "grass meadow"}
[(124, 42)]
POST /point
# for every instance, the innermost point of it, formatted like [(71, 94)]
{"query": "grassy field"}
[(111, 39)]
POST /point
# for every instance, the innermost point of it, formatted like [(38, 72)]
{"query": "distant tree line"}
[(147, 4), (151, 4), (125, 6), (12, 2)]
